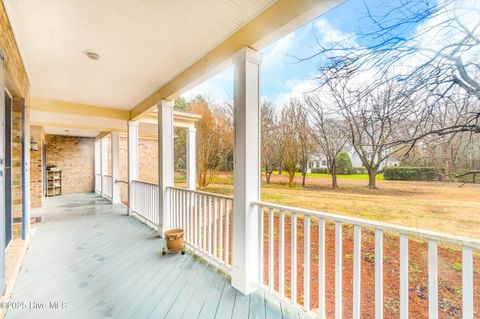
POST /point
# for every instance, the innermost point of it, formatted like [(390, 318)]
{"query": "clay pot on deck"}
[(174, 239)]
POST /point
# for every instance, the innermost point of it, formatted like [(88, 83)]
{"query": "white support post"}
[(165, 162), (98, 169), (245, 263), (104, 160), (132, 159), (115, 167), (191, 158)]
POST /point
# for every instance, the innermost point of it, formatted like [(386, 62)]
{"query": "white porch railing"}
[(98, 183), (206, 220), (144, 201), (276, 220), (107, 186)]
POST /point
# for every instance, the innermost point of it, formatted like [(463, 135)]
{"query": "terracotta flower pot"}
[(174, 239)]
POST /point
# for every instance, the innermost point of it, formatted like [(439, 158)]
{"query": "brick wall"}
[(18, 85), (147, 163), (36, 167), (75, 157), (148, 160)]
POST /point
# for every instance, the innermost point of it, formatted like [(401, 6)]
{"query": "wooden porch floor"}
[(91, 260)]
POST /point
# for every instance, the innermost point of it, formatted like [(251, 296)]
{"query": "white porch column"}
[(132, 159), (104, 160), (191, 158), (115, 167), (245, 259), (97, 165), (165, 161)]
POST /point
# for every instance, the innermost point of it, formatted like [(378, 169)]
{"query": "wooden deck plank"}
[(257, 305), (241, 306), (209, 308), (174, 292), (227, 300), (193, 289), (273, 308), (205, 283)]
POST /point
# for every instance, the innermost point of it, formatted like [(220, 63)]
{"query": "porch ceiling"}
[(142, 44)]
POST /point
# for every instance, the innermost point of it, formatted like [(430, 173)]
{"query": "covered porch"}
[(92, 260)]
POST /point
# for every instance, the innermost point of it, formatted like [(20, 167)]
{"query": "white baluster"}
[(306, 264), (281, 254), (357, 262), (271, 253), (467, 282), (215, 229), (321, 267), (378, 274), (432, 279), (293, 257), (403, 276), (261, 236), (338, 270)]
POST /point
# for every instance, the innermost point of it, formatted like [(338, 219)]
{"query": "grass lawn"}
[(436, 206), (348, 176)]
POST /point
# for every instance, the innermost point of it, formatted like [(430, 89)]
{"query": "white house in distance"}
[(320, 161)]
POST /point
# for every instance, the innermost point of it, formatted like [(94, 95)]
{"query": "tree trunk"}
[(291, 179), (334, 180), (268, 175), (372, 179), (304, 175)]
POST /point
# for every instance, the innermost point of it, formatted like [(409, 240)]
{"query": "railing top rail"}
[(106, 175), (200, 192), (142, 182), (471, 242)]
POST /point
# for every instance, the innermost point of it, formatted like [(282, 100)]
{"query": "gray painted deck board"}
[(104, 264)]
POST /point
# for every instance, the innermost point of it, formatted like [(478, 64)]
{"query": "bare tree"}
[(378, 119), (215, 140), (290, 141), (442, 55), (304, 136), (445, 151), (271, 144), (328, 131)]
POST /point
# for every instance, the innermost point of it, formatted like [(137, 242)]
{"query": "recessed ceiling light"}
[(92, 55)]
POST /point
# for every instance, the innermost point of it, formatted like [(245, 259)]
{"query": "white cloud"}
[(328, 35), (278, 53)]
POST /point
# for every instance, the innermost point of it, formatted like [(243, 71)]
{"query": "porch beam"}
[(281, 18), (246, 189), (115, 167), (165, 161), (191, 158), (132, 159), (64, 107)]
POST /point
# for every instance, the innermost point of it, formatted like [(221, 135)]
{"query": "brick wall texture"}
[(18, 85), (147, 163), (74, 156)]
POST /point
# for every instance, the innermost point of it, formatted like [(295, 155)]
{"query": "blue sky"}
[(281, 74)]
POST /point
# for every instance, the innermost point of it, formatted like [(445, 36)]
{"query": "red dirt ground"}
[(450, 280)]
